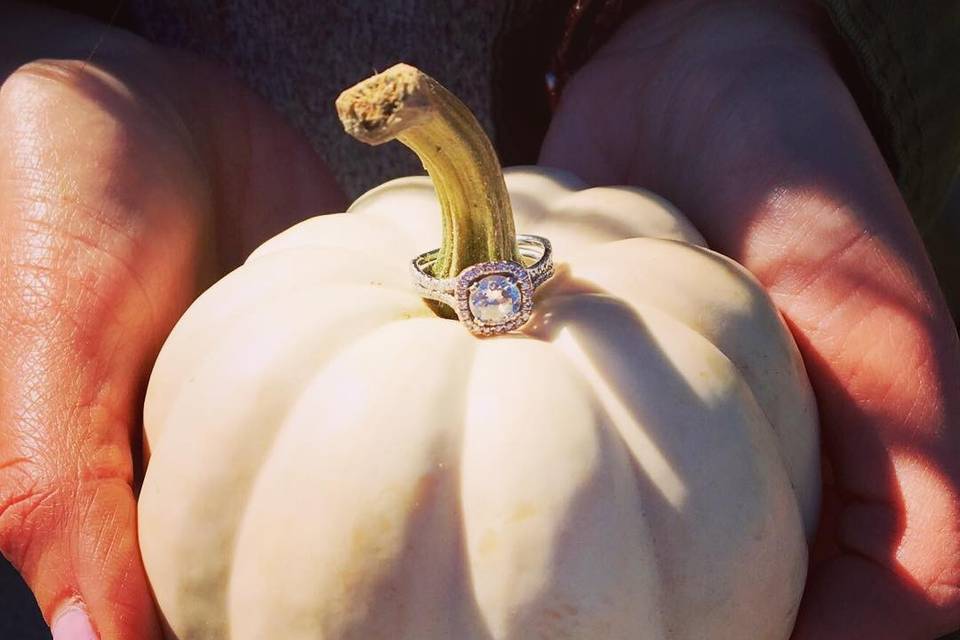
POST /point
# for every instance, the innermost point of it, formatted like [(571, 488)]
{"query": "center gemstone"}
[(495, 299)]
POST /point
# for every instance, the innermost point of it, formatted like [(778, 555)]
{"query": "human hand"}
[(126, 184), (734, 111)]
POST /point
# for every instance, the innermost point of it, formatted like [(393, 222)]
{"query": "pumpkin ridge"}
[(385, 189), (223, 302), (365, 539), (574, 340), (191, 328), (168, 450), (600, 205), (789, 416), (554, 533), (332, 231)]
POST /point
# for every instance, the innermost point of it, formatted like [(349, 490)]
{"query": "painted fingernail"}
[(73, 624)]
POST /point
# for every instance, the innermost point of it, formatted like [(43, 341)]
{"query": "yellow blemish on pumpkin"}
[(378, 538), (488, 542), (523, 512)]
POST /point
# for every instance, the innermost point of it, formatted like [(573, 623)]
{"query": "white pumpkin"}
[(331, 460)]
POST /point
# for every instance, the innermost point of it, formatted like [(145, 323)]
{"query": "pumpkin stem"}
[(405, 104)]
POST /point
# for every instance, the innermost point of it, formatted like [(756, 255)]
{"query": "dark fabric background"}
[(19, 616)]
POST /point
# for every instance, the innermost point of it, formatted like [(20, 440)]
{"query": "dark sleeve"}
[(908, 54)]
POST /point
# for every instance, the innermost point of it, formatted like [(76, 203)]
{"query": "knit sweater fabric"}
[(909, 54), (299, 55)]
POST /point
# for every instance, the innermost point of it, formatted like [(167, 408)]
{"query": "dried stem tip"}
[(376, 110)]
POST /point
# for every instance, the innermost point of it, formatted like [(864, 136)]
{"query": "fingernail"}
[(73, 624)]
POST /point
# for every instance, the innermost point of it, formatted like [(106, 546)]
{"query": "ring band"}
[(490, 298)]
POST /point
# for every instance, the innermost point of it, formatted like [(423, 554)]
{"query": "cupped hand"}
[(127, 182), (735, 111)]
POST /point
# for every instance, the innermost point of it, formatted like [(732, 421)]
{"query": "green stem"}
[(404, 104)]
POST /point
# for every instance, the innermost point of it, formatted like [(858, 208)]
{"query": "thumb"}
[(104, 216), (85, 567), (101, 227)]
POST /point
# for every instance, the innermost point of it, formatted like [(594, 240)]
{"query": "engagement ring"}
[(490, 298)]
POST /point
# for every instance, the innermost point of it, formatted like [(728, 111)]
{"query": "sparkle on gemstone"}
[(495, 299)]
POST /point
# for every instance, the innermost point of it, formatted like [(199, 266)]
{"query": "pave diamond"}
[(495, 299)]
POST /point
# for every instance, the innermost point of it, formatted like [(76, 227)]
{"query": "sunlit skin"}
[(128, 184)]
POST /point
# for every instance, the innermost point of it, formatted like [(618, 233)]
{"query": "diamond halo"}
[(513, 275)]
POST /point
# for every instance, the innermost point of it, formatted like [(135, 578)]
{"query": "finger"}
[(765, 149)]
